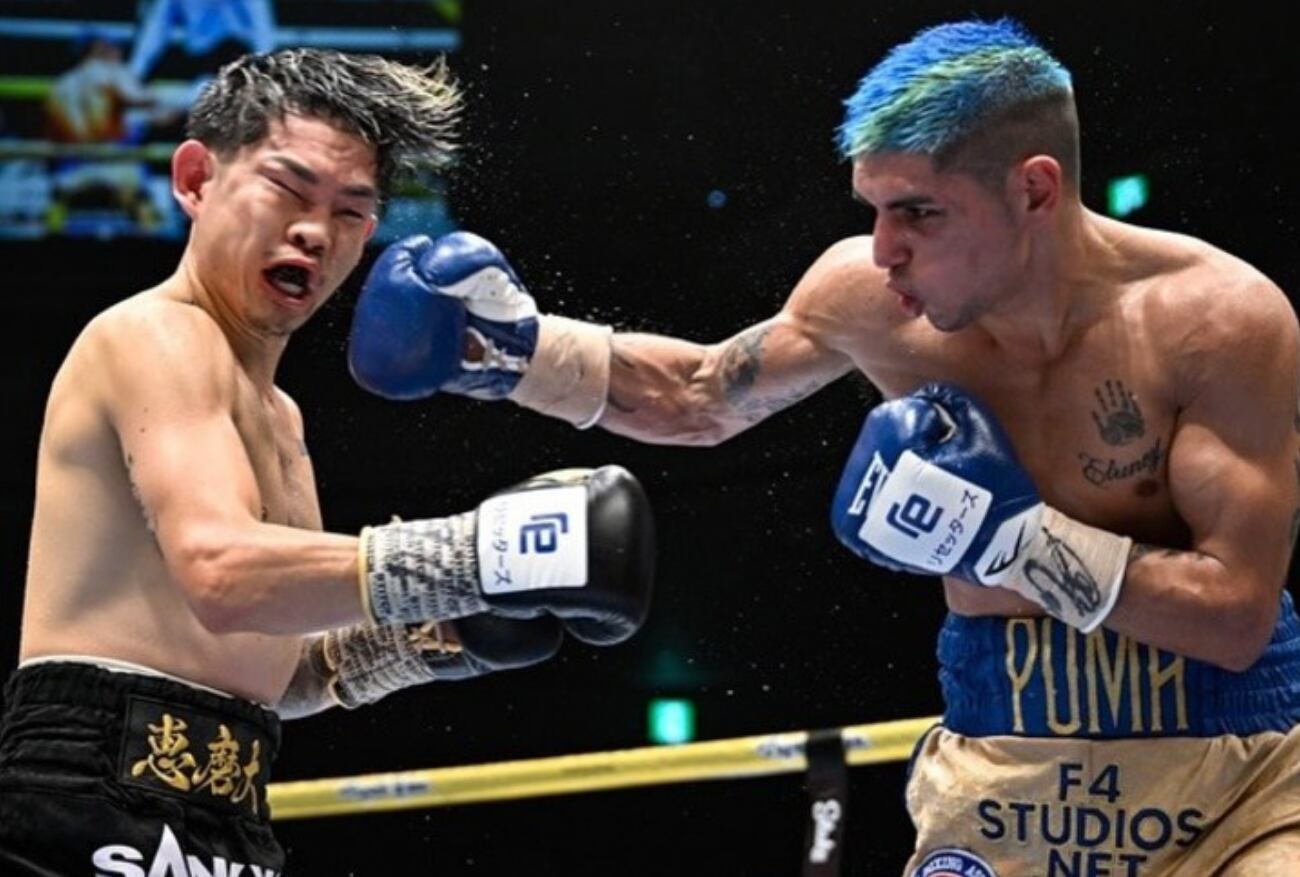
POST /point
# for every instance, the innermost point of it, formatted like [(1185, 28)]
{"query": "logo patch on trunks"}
[(183, 751), (953, 863)]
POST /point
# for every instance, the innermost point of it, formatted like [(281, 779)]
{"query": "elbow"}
[(1245, 634), (709, 437), (204, 570)]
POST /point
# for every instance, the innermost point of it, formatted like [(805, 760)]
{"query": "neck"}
[(1064, 283), (257, 350)]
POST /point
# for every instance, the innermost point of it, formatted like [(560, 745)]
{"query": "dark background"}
[(595, 132)]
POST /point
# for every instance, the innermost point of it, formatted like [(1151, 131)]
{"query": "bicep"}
[(1234, 463), (675, 391), (770, 366), (172, 408), (1238, 505)]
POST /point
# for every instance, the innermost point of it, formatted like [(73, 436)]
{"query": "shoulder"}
[(843, 291), (1221, 315), (1217, 300), (151, 341)]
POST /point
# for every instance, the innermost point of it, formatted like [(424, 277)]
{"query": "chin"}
[(944, 325)]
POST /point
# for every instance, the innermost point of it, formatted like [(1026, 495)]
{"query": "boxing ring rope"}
[(732, 758)]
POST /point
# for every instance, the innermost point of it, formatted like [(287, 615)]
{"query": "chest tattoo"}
[(1101, 471), (1117, 415)]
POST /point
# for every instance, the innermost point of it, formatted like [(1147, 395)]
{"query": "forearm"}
[(666, 391), (1192, 604), (267, 578), (1186, 602)]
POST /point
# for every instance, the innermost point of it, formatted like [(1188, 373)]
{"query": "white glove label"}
[(924, 516), (533, 539), (491, 294)]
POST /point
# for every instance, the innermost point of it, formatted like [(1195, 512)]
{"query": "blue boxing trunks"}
[(1071, 755), (112, 773)]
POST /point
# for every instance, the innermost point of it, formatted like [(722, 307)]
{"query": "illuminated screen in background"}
[(91, 108)]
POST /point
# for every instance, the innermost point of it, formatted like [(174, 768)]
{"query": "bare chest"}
[(1093, 429), (278, 455)]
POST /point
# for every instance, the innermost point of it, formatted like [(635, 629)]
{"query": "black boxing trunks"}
[(118, 774)]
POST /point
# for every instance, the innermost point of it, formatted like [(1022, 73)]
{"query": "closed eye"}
[(915, 213), (292, 191)]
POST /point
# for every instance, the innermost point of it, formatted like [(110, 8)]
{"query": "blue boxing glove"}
[(452, 315), (933, 487)]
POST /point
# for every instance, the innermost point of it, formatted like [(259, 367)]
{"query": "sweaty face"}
[(283, 222), (951, 246)]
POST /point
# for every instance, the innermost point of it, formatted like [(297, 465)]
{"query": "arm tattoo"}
[(1140, 550), (756, 408), (741, 361)]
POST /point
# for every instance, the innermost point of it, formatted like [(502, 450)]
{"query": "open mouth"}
[(912, 306), (292, 280)]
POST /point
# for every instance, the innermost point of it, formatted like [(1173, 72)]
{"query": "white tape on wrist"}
[(568, 375), (1072, 570), (367, 662), (415, 571)]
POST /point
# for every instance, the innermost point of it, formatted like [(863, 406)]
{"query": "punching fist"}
[(933, 487), (445, 315), (452, 315), (577, 545)]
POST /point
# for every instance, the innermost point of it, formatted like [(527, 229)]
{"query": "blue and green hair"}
[(942, 90)]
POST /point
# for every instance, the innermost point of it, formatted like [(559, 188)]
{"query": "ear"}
[(193, 167), (1039, 182), (372, 222)]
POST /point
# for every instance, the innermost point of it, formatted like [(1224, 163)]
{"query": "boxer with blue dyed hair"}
[(1090, 434), (972, 96)]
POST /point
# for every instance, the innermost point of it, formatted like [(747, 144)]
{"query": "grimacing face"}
[(953, 249), (281, 223)]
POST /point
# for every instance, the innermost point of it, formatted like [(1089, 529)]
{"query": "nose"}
[(889, 249), (310, 233)]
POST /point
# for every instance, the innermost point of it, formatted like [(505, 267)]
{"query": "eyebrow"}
[(910, 201), (899, 203), (307, 175)]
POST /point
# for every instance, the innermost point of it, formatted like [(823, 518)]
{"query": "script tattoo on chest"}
[(1117, 415), (1099, 471)]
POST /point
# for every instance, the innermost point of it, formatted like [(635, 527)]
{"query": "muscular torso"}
[(1093, 424), (97, 583)]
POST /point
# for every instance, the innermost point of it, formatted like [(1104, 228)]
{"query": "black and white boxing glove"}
[(577, 544)]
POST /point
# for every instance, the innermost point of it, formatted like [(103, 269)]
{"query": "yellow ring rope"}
[(731, 758)]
